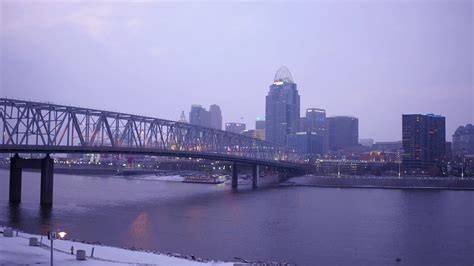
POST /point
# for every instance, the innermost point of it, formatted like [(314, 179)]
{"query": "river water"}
[(301, 225)]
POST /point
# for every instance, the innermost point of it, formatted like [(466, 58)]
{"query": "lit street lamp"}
[(52, 236)]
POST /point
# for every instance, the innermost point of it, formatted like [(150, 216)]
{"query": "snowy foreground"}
[(16, 250)]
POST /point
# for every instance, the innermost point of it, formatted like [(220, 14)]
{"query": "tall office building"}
[(423, 140), (282, 110), (308, 143), (343, 132), (315, 121), (199, 116), (260, 123), (235, 127), (260, 128), (303, 127), (216, 116), (463, 140)]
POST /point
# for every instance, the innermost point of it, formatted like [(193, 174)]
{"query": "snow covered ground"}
[(16, 250), (172, 178)]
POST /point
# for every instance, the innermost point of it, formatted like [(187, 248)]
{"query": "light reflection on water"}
[(140, 232)]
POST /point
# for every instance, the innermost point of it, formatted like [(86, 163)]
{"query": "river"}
[(300, 225)]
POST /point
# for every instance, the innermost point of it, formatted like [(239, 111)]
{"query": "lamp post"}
[(462, 162), (399, 164), (338, 169), (52, 236)]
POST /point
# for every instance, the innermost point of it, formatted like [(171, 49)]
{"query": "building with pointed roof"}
[(282, 109)]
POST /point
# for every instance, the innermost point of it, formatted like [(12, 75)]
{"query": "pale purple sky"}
[(371, 59)]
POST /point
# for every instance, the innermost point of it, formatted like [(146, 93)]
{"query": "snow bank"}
[(172, 178), (16, 250)]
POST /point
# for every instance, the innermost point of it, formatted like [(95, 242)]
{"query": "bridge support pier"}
[(16, 168), (235, 175), (15, 180), (47, 165), (256, 175)]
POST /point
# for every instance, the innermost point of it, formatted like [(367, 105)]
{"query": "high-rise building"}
[(282, 110), (260, 123), (424, 140), (315, 121), (182, 118), (303, 127), (308, 143), (260, 128), (463, 140), (199, 116), (216, 116), (235, 127), (343, 132)]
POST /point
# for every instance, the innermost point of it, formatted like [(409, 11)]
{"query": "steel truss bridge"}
[(35, 127)]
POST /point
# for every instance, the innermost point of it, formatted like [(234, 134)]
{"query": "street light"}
[(399, 165), (52, 236)]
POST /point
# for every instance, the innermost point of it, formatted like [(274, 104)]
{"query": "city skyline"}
[(400, 63)]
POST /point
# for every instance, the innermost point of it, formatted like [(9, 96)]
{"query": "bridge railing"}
[(26, 123)]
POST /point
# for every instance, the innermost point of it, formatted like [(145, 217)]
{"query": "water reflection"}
[(140, 232), (45, 214), (14, 214)]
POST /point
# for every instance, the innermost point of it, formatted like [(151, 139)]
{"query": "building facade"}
[(282, 108), (366, 142), (315, 121), (423, 140), (463, 140), (260, 128), (308, 143), (199, 116), (343, 132), (238, 128), (392, 146), (216, 116)]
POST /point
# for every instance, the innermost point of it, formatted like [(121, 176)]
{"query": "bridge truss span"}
[(43, 127)]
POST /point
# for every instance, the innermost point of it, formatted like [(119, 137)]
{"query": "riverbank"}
[(16, 250), (384, 182)]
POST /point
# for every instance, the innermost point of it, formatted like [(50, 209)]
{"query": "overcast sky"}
[(371, 59)]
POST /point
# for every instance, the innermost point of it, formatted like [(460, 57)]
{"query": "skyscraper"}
[(309, 143), (282, 110), (424, 140), (216, 116), (260, 123), (316, 122), (199, 116), (260, 128), (463, 140), (343, 132)]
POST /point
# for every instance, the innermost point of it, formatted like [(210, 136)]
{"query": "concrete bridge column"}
[(235, 176), (256, 175), (47, 166), (15, 179)]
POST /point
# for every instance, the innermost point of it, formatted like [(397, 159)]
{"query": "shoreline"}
[(384, 182), (16, 250)]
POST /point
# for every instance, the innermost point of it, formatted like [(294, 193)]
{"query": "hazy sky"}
[(371, 59)]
